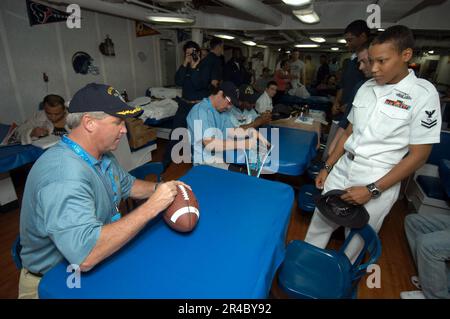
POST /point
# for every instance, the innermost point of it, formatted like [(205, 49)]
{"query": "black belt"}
[(350, 156), (35, 274)]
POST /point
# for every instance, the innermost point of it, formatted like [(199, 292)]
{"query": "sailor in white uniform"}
[(394, 121)]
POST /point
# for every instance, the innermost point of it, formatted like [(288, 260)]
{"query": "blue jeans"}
[(429, 239)]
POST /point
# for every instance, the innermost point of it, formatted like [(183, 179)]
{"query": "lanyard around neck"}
[(77, 149)]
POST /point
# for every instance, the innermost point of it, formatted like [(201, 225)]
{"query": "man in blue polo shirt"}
[(72, 194), (212, 132)]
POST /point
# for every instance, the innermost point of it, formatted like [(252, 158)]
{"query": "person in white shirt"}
[(50, 120), (258, 65), (394, 122), (264, 102), (298, 70)]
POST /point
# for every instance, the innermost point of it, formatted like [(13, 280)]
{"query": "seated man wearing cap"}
[(211, 131), (72, 194), (244, 115)]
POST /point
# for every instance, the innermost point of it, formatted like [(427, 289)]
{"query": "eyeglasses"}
[(228, 99)]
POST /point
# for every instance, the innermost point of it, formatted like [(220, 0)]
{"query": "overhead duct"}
[(256, 9), (287, 37), (124, 10)]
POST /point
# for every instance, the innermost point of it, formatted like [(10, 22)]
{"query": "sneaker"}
[(416, 282), (415, 294)]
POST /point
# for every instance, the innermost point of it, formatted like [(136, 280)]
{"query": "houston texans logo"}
[(430, 113), (41, 12)]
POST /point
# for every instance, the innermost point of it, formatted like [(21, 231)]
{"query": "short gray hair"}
[(73, 120)]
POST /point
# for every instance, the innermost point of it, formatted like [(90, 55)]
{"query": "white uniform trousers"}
[(347, 173)]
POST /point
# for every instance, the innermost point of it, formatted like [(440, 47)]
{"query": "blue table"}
[(295, 149), (14, 156), (232, 253)]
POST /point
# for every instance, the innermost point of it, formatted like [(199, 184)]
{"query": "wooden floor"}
[(395, 262)]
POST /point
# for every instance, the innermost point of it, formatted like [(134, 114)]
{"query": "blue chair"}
[(305, 199), (142, 171), (15, 253), (309, 272), (313, 170)]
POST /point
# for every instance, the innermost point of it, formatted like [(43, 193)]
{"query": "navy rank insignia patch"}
[(398, 104), (429, 122)]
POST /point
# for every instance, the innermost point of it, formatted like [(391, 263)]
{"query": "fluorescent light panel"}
[(224, 36), (334, 49), (341, 41), (250, 43), (171, 19), (307, 16), (307, 45), (317, 39), (297, 2)]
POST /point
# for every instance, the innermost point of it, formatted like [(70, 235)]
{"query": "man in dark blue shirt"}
[(364, 67), (356, 34), (196, 77)]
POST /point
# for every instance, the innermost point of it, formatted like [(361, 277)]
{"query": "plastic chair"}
[(15, 253), (313, 170), (142, 171), (305, 199), (309, 272)]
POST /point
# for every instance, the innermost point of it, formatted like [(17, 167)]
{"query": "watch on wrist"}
[(327, 167), (374, 190)]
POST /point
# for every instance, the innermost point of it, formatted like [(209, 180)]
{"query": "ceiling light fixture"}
[(308, 15), (341, 41), (250, 43), (381, 29), (297, 3), (170, 18), (334, 49), (317, 39), (224, 36), (262, 46), (305, 46), (431, 52)]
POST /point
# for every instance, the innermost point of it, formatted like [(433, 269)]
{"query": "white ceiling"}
[(244, 18)]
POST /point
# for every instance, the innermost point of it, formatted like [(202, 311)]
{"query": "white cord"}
[(264, 161)]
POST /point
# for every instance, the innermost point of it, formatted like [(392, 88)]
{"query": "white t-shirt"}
[(297, 68), (257, 66), (264, 103)]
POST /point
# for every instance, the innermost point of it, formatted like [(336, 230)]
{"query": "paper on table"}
[(305, 120), (46, 142)]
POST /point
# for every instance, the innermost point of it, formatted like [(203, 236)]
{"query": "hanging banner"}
[(42, 14), (143, 30)]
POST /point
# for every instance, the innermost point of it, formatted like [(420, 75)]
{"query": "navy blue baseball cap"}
[(231, 91), (248, 94), (341, 212), (102, 98)]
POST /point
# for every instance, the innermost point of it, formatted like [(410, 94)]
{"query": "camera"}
[(194, 55)]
